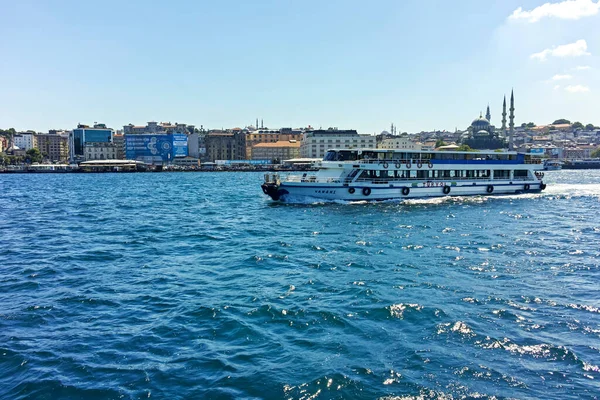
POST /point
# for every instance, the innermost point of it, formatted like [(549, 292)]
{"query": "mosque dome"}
[(480, 123), (482, 133)]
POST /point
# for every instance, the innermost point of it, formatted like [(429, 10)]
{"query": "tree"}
[(561, 121), (440, 143), (530, 125), (595, 153), (589, 127), (523, 125), (577, 125), (465, 147), (34, 155)]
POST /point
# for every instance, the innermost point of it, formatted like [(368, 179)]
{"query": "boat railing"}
[(312, 178), (272, 178), (426, 161), (375, 180)]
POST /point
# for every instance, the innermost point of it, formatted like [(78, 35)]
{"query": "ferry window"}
[(369, 155), (499, 174), (346, 155), (330, 156), (521, 173)]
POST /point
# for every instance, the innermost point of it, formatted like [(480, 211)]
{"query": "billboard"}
[(180, 145), (149, 148), (536, 151)]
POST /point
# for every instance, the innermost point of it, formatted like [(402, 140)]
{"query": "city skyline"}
[(422, 66)]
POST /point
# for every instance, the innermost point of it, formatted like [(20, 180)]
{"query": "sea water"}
[(197, 285)]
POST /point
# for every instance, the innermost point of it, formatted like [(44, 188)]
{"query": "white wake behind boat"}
[(381, 174)]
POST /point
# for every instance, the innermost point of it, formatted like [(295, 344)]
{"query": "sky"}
[(420, 64)]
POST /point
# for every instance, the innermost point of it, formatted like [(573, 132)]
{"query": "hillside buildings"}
[(153, 127), (393, 142)]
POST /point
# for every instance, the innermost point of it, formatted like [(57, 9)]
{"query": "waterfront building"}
[(197, 144), (119, 141), (315, 143), (578, 152), (53, 146), (83, 134), (280, 150), (254, 137), (225, 145), (101, 151), (24, 140), (187, 162)]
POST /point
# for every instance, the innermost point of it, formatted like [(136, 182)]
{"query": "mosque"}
[(483, 135)]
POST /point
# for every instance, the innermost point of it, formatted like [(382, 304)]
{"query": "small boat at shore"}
[(382, 174)]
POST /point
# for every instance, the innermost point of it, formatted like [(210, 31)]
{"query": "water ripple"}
[(195, 285)]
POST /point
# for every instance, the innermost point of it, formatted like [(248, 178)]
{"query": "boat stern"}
[(272, 187)]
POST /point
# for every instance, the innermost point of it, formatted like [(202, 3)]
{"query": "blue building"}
[(99, 133), (155, 148)]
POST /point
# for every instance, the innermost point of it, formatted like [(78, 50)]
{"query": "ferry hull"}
[(285, 191)]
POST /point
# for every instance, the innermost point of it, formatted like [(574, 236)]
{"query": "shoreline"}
[(155, 171)]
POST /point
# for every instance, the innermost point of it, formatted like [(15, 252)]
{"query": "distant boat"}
[(49, 168), (588, 163), (552, 165)]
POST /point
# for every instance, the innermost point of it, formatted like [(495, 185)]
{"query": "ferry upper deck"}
[(436, 157)]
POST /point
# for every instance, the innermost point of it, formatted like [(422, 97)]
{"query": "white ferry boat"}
[(381, 174), (552, 165)]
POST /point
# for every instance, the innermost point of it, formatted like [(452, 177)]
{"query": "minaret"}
[(504, 117), (256, 123), (511, 124), (488, 116)]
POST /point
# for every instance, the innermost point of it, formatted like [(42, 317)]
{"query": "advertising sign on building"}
[(536, 151), (149, 148), (180, 145)]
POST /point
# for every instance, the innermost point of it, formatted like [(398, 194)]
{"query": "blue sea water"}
[(196, 285)]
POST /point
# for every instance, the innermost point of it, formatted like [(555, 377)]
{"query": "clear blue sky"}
[(422, 64)]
